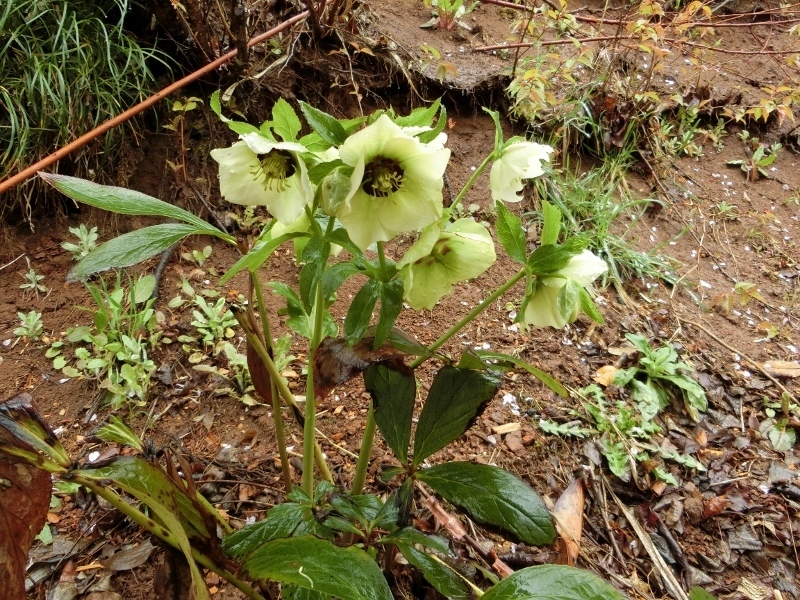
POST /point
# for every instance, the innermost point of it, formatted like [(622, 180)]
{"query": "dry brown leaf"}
[(714, 506), (568, 514), (781, 368), (605, 375)]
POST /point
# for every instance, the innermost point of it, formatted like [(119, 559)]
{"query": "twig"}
[(12, 262), (599, 491), (761, 369)]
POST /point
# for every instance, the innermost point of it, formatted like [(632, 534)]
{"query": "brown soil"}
[(736, 524)]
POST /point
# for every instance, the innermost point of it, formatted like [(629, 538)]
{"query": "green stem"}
[(365, 453), (283, 389), (471, 181), (382, 262), (309, 430), (277, 413), (471, 315), (163, 533)]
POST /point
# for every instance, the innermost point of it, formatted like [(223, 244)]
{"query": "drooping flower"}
[(542, 309), (518, 161), (396, 184), (441, 258), (259, 171)]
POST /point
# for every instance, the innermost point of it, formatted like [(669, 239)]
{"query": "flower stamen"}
[(382, 177), (274, 167)]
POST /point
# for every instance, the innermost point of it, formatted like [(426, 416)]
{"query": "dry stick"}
[(131, 112), (761, 369)]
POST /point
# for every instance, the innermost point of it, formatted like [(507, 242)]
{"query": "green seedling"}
[(759, 158), (33, 282), (446, 13), (87, 241), (198, 257), (31, 326), (214, 324)]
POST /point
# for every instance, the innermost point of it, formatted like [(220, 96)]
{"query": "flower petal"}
[(542, 309), (425, 283), (584, 268)]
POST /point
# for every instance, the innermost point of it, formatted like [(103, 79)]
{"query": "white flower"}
[(518, 161), (542, 309), (260, 171), (441, 258), (396, 183)]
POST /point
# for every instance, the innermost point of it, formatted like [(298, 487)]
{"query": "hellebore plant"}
[(355, 184)]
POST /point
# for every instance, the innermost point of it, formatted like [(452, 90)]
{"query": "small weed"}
[(743, 292), (87, 241), (178, 124), (198, 257), (33, 282), (758, 157), (31, 325), (727, 212), (114, 351), (446, 13), (215, 325)]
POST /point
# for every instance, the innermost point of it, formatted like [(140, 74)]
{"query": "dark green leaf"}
[(284, 121), (412, 536), (393, 394), (360, 311), (281, 522), (315, 257), (455, 397), (493, 496), (391, 305), (548, 259), (318, 172), (260, 252), (510, 233), (292, 592), (589, 308), (336, 275), (131, 248), (26, 429), (340, 238), (127, 202), (328, 128), (546, 379), (552, 582), (428, 136), (320, 565), (391, 472), (444, 579)]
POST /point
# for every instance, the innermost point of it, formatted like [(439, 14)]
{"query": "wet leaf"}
[(320, 565), (393, 391), (548, 582), (23, 428), (493, 496)]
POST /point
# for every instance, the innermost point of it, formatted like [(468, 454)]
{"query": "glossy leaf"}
[(328, 128), (391, 305), (315, 256), (132, 248), (360, 311), (292, 592), (335, 275), (510, 233), (548, 259), (455, 397), (282, 521), (552, 582), (320, 565), (259, 253), (444, 579), (23, 427), (393, 393), (493, 496)]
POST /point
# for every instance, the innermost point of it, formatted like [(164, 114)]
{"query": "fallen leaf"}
[(129, 558), (714, 506), (605, 375), (568, 514), (781, 368)]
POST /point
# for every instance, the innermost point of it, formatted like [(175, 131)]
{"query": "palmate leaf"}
[(551, 582), (493, 496), (319, 565)]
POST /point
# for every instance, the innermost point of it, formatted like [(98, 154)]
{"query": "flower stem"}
[(365, 453), (471, 315), (309, 433), (471, 181), (382, 262)]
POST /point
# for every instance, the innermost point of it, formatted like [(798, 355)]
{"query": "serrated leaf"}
[(336, 275), (551, 223), (285, 121), (328, 128), (391, 305), (127, 202), (312, 563), (588, 307), (360, 311), (551, 582), (455, 397), (547, 259), (546, 379), (131, 248), (493, 496), (428, 136), (393, 393), (510, 233), (281, 522)]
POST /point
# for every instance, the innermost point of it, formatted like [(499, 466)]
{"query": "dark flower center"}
[(382, 177), (275, 167)]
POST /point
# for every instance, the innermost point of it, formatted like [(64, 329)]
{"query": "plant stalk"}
[(472, 180), (309, 430), (470, 316), (365, 453)]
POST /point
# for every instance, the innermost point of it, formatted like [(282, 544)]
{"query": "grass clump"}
[(67, 67)]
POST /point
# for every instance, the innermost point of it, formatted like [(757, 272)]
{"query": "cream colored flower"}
[(259, 171), (518, 161), (542, 309), (396, 184), (441, 258)]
